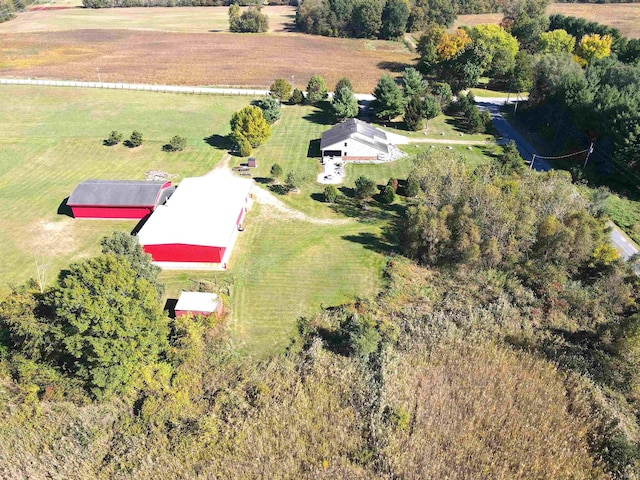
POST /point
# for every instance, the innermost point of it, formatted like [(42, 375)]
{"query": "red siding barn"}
[(117, 199), (198, 225), (198, 303)]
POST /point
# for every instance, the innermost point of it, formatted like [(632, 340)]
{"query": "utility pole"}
[(293, 82), (533, 159), (588, 153), (98, 70)]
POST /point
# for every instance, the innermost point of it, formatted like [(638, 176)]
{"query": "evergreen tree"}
[(270, 107), (344, 104), (413, 116), (389, 102), (414, 83)]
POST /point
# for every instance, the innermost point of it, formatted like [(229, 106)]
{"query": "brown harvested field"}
[(197, 59), (623, 16)]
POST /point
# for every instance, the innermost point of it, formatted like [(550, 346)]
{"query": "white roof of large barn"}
[(197, 302), (202, 211)]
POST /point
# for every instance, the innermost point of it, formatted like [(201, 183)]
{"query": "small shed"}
[(118, 199), (252, 163), (198, 303)]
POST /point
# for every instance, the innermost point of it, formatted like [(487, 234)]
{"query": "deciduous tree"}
[(111, 321), (592, 47), (394, 19), (280, 89), (250, 124), (316, 90), (556, 41)]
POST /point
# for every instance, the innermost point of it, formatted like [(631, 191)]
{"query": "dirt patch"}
[(195, 59), (49, 239)]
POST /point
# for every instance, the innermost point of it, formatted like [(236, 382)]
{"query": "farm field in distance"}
[(623, 16), (183, 57)]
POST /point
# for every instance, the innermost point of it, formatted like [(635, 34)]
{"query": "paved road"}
[(509, 133), (625, 247), (622, 243)]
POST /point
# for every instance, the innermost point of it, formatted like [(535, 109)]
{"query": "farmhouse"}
[(117, 199), (354, 140), (198, 303), (197, 227)]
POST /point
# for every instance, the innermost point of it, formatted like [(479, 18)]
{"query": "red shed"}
[(117, 199), (197, 227), (198, 303)]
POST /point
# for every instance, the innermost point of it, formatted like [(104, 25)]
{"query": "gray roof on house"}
[(116, 193), (344, 131)]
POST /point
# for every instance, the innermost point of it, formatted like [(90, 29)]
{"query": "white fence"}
[(142, 87)]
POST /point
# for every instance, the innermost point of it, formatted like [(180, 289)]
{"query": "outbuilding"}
[(198, 303), (198, 226), (354, 140), (117, 199)]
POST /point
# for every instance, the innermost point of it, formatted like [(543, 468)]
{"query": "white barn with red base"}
[(197, 227), (198, 303)]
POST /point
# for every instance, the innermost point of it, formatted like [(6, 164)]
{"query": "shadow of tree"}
[(321, 115), (371, 241), (64, 209), (218, 141), (263, 180), (395, 67)]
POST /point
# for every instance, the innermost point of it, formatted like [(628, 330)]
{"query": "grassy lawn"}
[(52, 139), (443, 127), (283, 269), (163, 19)]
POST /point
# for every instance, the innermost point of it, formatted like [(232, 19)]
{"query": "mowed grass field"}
[(623, 16), (52, 140), (163, 19), (282, 268), (184, 46)]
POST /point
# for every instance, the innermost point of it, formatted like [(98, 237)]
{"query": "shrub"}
[(276, 170), (388, 195), (135, 140), (330, 194), (176, 144), (365, 187), (297, 97), (114, 138), (294, 180), (413, 186)]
